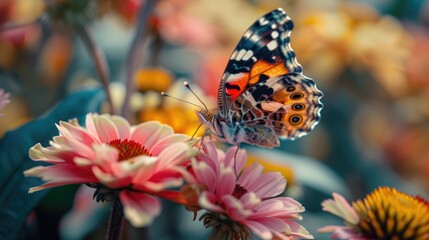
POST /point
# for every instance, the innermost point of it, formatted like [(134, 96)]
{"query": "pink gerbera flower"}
[(241, 200), (131, 163), (4, 99)]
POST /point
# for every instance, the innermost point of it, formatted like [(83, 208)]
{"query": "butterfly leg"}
[(202, 139), (198, 128), (235, 160)]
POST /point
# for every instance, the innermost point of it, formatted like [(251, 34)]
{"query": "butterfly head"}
[(205, 117), (211, 120)]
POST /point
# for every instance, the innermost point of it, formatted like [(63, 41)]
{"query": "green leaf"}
[(15, 202)]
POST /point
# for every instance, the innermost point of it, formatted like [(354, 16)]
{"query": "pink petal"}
[(259, 229), (80, 148), (84, 212), (225, 182), (102, 127), (139, 208), (105, 155), (277, 207), (249, 175), (205, 175), (298, 230), (268, 185), (122, 125), (90, 125), (58, 175), (110, 180), (240, 159), (342, 232), (166, 142), (144, 168), (150, 133), (235, 209), (106, 129), (167, 183), (174, 155), (250, 200), (210, 149), (340, 207), (50, 155), (71, 131), (207, 201)]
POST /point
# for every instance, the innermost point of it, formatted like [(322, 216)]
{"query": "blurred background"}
[(370, 59)]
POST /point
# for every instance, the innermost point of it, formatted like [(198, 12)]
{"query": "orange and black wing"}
[(263, 52)]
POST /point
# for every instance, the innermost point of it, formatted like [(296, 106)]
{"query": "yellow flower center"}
[(128, 149), (389, 214)]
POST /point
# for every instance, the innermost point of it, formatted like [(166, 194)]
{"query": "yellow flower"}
[(352, 37), (386, 213), (179, 115), (390, 214)]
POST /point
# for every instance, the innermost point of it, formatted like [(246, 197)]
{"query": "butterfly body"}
[(263, 95)]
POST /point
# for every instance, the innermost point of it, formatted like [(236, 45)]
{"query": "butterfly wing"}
[(263, 52), (287, 106)]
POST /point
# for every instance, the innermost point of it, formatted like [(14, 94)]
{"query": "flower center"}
[(128, 149), (389, 214), (223, 227), (239, 191)]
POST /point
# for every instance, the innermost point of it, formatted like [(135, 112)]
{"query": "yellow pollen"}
[(390, 214), (128, 149)]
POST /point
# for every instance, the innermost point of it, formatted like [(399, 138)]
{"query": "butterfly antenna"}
[(189, 88), (181, 100)]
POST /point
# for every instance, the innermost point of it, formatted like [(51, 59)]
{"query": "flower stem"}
[(99, 60), (135, 55), (116, 221)]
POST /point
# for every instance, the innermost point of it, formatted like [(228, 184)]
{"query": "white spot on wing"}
[(271, 106), (274, 34), (234, 54), (255, 38), (263, 21), (273, 26), (248, 55), (272, 45), (240, 54)]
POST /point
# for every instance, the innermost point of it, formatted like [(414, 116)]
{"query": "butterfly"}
[(263, 95)]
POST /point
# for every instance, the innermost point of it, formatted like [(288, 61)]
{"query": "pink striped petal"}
[(140, 209), (226, 182), (149, 133), (207, 200), (341, 208), (166, 142), (122, 126), (205, 175)]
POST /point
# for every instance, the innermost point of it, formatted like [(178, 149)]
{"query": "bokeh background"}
[(370, 59)]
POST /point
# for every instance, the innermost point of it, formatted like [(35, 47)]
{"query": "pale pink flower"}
[(4, 99), (341, 208), (241, 200), (132, 163)]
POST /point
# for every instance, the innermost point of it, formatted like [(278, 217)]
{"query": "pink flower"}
[(341, 208), (242, 199), (4, 99), (132, 163)]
